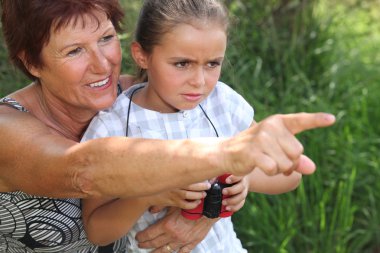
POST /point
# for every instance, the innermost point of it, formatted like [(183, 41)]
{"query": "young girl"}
[(180, 46)]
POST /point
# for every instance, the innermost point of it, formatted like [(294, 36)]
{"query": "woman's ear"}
[(139, 55), (32, 70)]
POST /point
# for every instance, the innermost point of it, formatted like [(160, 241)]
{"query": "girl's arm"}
[(277, 184), (107, 220), (257, 181)]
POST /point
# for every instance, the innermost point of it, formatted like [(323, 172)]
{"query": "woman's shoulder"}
[(126, 81), (12, 103), (25, 100)]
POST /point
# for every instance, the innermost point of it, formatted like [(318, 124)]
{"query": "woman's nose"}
[(99, 62)]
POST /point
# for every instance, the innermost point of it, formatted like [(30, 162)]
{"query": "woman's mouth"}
[(100, 84)]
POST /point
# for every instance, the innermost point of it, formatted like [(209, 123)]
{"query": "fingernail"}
[(329, 117)]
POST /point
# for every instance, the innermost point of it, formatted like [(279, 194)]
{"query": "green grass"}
[(290, 56), (326, 62)]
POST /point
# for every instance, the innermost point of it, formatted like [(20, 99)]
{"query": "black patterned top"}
[(32, 224), (12, 103)]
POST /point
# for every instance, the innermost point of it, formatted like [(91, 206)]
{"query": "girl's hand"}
[(187, 198), (237, 192)]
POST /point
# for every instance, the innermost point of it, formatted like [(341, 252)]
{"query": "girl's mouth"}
[(192, 97)]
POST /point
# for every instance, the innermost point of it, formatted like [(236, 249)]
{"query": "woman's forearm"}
[(126, 167), (39, 162)]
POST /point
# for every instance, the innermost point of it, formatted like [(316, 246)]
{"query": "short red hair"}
[(27, 24)]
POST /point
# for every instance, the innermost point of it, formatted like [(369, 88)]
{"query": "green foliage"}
[(286, 56), (290, 56)]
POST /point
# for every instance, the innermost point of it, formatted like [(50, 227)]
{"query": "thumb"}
[(299, 122), (305, 165)]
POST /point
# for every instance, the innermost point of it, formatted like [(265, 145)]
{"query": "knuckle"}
[(155, 244), (296, 152), (185, 249), (286, 166), (263, 137), (186, 195), (271, 168), (273, 120), (169, 227), (190, 205)]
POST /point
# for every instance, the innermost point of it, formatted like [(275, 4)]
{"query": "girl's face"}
[(81, 66), (185, 67)]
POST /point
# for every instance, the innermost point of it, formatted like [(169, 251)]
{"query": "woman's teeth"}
[(99, 84)]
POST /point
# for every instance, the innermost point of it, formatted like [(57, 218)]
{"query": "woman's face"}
[(81, 65)]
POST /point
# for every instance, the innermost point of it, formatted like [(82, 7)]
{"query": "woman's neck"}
[(62, 120)]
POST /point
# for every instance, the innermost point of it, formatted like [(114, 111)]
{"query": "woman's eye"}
[(107, 38), (74, 52)]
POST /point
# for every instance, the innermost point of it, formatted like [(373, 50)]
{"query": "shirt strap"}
[(12, 103)]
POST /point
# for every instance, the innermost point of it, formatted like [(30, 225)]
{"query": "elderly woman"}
[(71, 51)]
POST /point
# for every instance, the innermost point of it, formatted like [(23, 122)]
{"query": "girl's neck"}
[(145, 99)]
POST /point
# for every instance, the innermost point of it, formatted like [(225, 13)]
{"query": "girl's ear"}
[(139, 55), (32, 70)]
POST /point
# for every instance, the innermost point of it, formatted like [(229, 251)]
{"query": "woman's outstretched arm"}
[(36, 161)]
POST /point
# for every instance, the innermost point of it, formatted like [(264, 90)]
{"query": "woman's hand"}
[(271, 145), (237, 192), (176, 232)]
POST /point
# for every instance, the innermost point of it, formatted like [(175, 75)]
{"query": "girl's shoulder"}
[(225, 93)]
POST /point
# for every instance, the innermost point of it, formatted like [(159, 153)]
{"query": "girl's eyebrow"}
[(193, 60), (218, 58)]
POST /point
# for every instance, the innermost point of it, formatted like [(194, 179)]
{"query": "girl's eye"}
[(181, 64), (74, 52), (213, 64)]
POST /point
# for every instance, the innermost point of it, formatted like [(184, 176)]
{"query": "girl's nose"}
[(198, 78)]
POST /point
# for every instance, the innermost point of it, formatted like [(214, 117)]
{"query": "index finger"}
[(299, 122)]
